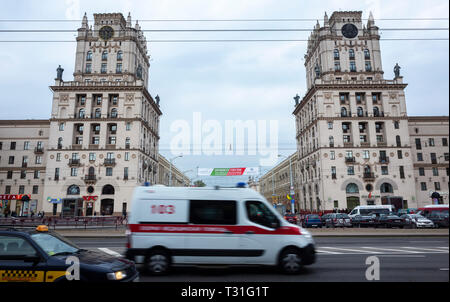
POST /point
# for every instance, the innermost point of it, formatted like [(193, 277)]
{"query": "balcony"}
[(38, 150), (369, 176), (384, 160), (350, 160), (74, 162), (77, 147), (90, 179), (109, 162), (381, 144), (348, 144)]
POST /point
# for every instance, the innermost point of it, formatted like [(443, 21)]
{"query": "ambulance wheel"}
[(290, 261), (157, 262)]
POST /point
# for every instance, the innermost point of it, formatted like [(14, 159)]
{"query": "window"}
[(95, 140), (333, 172), (446, 156), (13, 246), (119, 55), (402, 172), (127, 156), (119, 68), (26, 145), (350, 170), (433, 158), (127, 143), (212, 212), (366, 54), (1, 145), (114, 113), (399, 154), (418, 144), (435, 171), (61, 127), (56, 173), (351, 54), (444, 142), (81, 113), (7, 189), (431, 142), (11, 160), (384, 170), (352, 189), (38, 160), (376, 111), (109, 171), (114, 99), (352, 66), (421, 171), (23, 174), (89, 56), (112, 140), (330, 125), (380, 139), (366, 154), (79, 140), (37, 174), (336, 54), (73, 190), (337, 66), (92, 156), (437, 186), (35, 189), (386, 188), (347, 139), (343, 112), (396, 124), (259, 213), (105, 56), (21, 189), (331, 141), (98, 113), (58, 156), (88, 68), (103, 68), (12, 146), (9, 175), (360, 111), (423, 186), (363, 139), (74, 172), (368, 66), (98, 100)]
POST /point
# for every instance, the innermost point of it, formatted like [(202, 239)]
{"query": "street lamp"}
[(184, 172), (291, 181), (170, 169)]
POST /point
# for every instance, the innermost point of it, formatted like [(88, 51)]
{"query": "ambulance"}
[(171, 226)]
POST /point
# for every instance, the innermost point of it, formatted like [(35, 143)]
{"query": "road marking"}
[(108, 251), (444, 269), (443, 247), (328, 252), (351, 250), (392, 250), (426, 249), (403, 256)]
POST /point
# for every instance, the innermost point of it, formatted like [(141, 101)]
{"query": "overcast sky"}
[(222, 81)]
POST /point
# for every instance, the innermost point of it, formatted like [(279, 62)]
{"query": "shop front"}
[(72, 207), (89, 205), (17, 205)]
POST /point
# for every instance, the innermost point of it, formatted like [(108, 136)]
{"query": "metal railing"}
[(76, 222)]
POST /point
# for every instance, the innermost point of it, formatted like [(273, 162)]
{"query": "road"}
[(339, 259)]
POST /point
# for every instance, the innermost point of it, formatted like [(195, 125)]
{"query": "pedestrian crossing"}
[(339, 250), (404, 250)]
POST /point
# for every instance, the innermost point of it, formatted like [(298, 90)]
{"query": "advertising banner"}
[(249, 171)]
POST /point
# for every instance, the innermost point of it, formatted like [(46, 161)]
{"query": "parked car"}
[(338, 220), (312, 220), (415, 221), (363, 221), (440, 220), (291, 218), (389, 221), (324, 217)]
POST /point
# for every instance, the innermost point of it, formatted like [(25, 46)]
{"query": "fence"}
[(98, 221)]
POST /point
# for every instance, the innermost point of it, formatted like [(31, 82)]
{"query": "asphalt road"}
[(340, 259)]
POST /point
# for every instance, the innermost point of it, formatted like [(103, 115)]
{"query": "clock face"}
[(106, 32), (349, 31)]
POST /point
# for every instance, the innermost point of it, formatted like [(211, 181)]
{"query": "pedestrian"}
[(32, 214)]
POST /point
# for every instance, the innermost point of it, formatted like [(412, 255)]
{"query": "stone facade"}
[(179, 179)]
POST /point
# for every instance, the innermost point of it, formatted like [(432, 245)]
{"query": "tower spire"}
[(84, 23), (129, 20)]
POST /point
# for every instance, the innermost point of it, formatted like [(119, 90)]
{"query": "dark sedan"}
[(363, 221), (390, 221), (440, 219)]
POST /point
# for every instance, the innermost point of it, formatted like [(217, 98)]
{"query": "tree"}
[(199, 183)]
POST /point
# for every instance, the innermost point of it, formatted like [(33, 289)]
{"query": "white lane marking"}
[(444, 269), (350, 250), (443, 247), (328, 252), (403, 256), (425, 249), (392, 250), (108, 251)]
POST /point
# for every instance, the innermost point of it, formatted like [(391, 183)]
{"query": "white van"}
[(212, 226), (366, 210)]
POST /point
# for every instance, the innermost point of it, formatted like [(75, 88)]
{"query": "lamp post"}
[(292, 192), (184, 172), (170, 169)]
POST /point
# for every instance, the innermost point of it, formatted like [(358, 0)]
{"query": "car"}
[(363, 221), (312, 220), (324, 218), (369, 210), (173, 226), (38, 255), (338, 220), (440, 219), (389, 221), (291, 218), (415, 221)]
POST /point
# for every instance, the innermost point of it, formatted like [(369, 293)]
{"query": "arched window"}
[(376, 111), (81, 113), (367, 170), (98, 113), (108, 190), (352, 189), (73, 190), (366, 54), (114, 113), (119, 55), (386, 188), (360, 111), (91, 171), (351, 54), (331, 140), (60, 140), (343, 112), (398, 140), (105, 55), (89, 56), (336, 54)]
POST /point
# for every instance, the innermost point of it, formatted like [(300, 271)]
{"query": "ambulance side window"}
[(213, 212), (259, 213)]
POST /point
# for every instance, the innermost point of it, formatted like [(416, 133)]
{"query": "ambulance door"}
[(213, 237)]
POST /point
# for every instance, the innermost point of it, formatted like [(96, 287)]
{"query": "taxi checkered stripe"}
[(19, 274)]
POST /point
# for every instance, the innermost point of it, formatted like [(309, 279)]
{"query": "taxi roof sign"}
[(42, 228)]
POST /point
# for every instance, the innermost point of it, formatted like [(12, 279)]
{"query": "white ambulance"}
[(212, 226)]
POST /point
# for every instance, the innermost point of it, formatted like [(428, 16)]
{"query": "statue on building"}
[(59, 73), (397, 70), (317, 70), (297, 99), (139, 72), (157, 99)]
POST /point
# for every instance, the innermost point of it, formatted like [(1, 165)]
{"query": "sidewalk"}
[(338, 232)]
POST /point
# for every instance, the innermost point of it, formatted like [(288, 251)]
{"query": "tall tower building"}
[(104, 126), (352, 127)]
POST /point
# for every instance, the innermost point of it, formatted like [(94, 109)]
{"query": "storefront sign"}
[(371, 196), (90, 198), (54, 200), (13, 197)]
